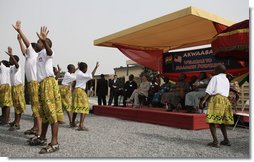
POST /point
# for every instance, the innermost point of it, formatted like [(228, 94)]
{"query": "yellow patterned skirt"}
[(50, 101), (18, 98), (80, 102), (5, 96), (65, 91), (219, 111), (33, 87)]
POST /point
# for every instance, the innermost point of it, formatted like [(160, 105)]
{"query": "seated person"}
[(154, 88), (142, 90), (164, 88), (129, 87), (175, 96), (192, 98), (193, 79)]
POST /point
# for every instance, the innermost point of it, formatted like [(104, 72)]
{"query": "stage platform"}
[(159, 116)]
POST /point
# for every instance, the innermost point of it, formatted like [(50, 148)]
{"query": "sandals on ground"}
[(225, 143), (35, 141), (212, 144), (11, 123), (82, 129), (30, 132), (49, 149), (32, 138), (3, 123), (14, 127), (74, 125)]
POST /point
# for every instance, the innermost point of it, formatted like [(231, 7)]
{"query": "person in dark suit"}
[(102, 90), (129, 87), (114, 85)]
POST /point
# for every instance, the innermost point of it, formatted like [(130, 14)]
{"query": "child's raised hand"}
[(58, 67), (97, 64), (43, 33), (17, 26), (9, 51), (19, 37)]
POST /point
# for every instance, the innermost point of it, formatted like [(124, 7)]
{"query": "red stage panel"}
[(155, 116)]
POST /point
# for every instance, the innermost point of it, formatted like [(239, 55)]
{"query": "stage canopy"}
[(233, 42), (146, 43), (185, 28)]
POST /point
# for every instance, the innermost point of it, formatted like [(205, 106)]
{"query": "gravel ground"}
[(116, 138)]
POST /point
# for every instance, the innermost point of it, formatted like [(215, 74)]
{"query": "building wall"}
[(126, 71)]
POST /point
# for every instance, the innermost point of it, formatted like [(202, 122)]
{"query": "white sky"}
[(75, 24)]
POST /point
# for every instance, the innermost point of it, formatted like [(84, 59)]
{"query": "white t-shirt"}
[(81, 79), (219, 84), (68, 78), (44, 65), (5, 74), (15, 75), (30, 65)]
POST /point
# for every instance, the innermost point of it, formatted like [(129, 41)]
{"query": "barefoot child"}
[(18, 97), (5, 91), (80, 99), (30, 53), (65, 90), (49, 95)]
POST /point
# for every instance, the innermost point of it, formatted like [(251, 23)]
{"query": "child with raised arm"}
[(65, 90), (30, 53), (57, 72), (80, 102), (17, 89), (49, 95), (5, 91)]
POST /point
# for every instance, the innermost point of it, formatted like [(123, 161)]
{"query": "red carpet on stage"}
[(155, 116)]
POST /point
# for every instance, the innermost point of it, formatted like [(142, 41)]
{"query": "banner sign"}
[(195, 61)]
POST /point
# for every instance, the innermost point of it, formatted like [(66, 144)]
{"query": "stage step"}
[(159, 116)]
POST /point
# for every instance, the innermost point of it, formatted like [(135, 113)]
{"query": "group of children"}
[(47, 102), (11, 90), (74, 98)]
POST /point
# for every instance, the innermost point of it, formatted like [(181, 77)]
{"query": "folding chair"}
[(242, 113)]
